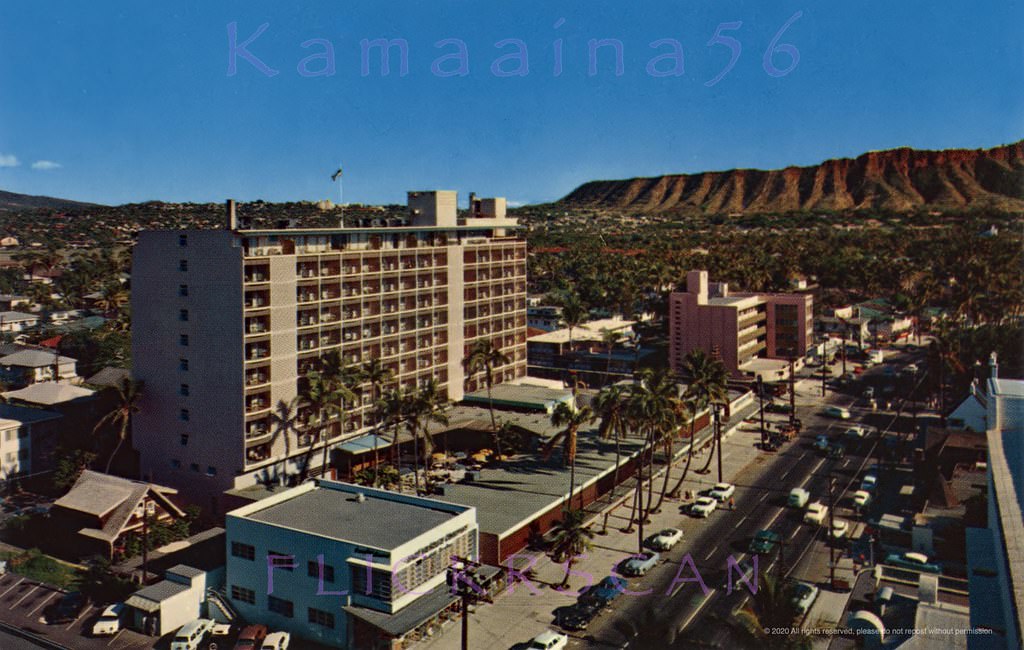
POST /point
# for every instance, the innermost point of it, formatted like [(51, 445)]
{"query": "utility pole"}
[(467, 588), (792, 393), (718, 438), (760, 398), (831, 528), (145, 545)]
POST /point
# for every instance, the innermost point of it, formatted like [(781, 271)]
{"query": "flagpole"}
[(341, 196)]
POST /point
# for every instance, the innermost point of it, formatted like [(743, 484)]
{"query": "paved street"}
[(763, 482)]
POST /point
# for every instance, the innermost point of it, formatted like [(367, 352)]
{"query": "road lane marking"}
[(710, 553), (689, 619), (795, 531)]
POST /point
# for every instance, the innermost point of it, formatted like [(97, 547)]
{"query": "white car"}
[(804, 596), (549, 641), (703, 506), (861, 498), (856, 432), (869, 482), (816, 513), (837, 412), (109, 621), (840, 529), (276, 641), (191, 635), (722, 491), (666, 539)]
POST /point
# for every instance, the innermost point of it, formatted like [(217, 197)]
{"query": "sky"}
[(154, 101)]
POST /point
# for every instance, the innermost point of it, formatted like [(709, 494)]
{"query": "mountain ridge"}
[(11, 201), (899, 180)]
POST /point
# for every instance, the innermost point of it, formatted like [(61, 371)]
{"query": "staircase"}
[(219, 607)]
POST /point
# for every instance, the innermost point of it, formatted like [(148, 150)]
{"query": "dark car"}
[(604, 592), (836, 451), (67, 609), (578, 616), (781, 407), (251, 637), (764, 541)]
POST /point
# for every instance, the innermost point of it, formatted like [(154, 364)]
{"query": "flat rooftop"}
[(332, 510), (534, 398)]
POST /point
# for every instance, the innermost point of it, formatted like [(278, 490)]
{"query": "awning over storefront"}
[(364, 444), (409, 617)]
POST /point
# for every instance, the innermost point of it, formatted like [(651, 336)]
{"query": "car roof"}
[(917, 557), (192, 626), (547, 636)]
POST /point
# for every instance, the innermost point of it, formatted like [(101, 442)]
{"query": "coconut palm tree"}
[(113, 297), (484, 356), (650, 630), (321, 397), (394, 407), (570, 537), (572, 419), (285, 419), (374, 373), (708, 384), (657, 409), (574, 314), (610, 338), (129, 392), (611, 406), (425, 407), (769, 610), (344, 380)]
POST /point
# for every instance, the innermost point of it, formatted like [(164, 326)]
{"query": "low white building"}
[(345, 565), (165, 606), (30, 366), (16, 321)]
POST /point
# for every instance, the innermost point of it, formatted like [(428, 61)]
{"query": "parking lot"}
[(22, 602)]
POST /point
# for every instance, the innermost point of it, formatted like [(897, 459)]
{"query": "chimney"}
[(232, 218)]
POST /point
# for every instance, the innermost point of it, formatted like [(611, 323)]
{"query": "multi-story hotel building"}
[(739, 327), (226, 323)]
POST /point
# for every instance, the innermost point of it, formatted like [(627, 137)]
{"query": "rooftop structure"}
[(247, 313), (49, 393)]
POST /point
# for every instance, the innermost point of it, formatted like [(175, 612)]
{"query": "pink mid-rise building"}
[(741, 328)]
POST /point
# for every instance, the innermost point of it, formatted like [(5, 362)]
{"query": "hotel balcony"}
[(257, 403), (257, 351), (257, 454)]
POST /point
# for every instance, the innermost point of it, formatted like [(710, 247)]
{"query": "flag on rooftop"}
[(336, 174)]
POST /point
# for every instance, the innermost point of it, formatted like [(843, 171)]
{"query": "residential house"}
[(31, 366), (16, 321)]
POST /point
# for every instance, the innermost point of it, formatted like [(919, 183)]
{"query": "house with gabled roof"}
[(100, 511)]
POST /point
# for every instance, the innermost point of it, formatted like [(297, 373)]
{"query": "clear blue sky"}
[(133, 101)]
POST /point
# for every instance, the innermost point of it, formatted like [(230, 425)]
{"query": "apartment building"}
[(226, 323), (741, 328)]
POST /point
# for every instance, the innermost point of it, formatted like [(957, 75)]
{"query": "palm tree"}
[(656, 408), (485, 356), (611, 406), (321, 397), (572, 419), (650, 630), (708, 385), (129, 392), (610, 338), (374, 373), (425, 406), (574, 314), (768, 611), (285, 417), (113, 297), (344, 380), (570, 536), (394, 407)]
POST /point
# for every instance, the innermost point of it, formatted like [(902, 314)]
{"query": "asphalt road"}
[(762, 489)]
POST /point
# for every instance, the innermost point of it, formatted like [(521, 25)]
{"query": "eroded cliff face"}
[(896, 180)]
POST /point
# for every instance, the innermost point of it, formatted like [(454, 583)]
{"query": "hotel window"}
[(194, 467), (244, 551), (281, 606), (242, 594), (182, 265), (282, 561), (184, 415), (175, 463), (211, 471), (184, 390), (183, 315), (183, 364), (313, 568), (182, 240), (182, 290), (184, 439), (322, 618), (183, 340)]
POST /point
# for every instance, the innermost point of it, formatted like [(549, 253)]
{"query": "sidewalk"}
[(531, 606)]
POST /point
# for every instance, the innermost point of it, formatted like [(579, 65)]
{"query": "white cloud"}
[(45, 165), (516, 204), (9, 160)]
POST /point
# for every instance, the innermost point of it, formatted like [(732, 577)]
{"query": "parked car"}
[(640, 564), (910, 369), (190, 635), (109, 622), (703, 506), (861, 498), (251, 637), (869, 482), (67, 609), (821, 442), (722, 491), (803, 597), (606, 591), (549, 640), (816, 513), (914, 561), (856, 431), (764, 541), (780, 407), (276, 641), (840, 529), (666, 539), (837, 412), (798, 497), (836, 451), (579, 615)]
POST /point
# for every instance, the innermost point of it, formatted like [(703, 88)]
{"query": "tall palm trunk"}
[(416, 461), (664, 484), (494, 422), (689, 459), (714, 429)]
